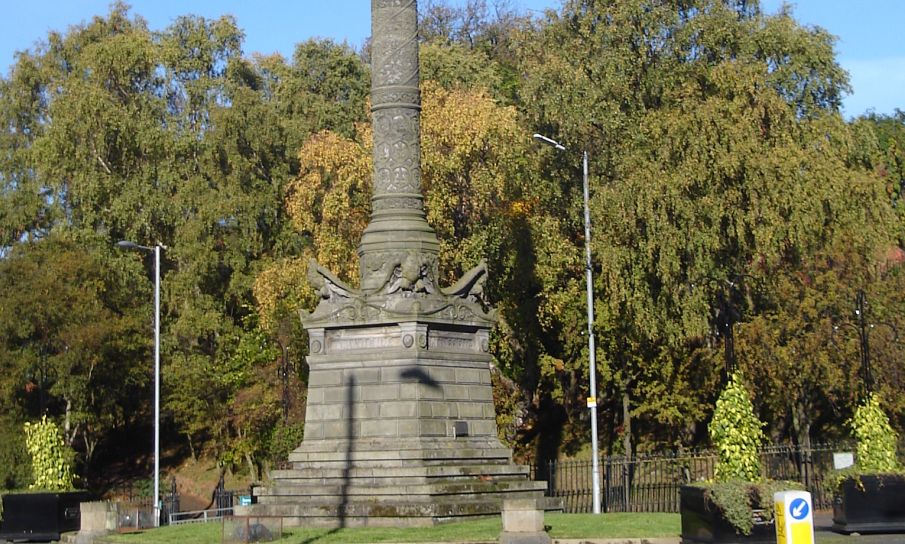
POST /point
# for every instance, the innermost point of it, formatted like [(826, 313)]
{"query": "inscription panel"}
[(362, 339), (460, 342)]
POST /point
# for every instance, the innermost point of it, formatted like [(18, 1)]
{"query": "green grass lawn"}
[(483, 530)]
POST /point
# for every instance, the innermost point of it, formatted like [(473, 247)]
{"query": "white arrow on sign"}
[(797, 512)]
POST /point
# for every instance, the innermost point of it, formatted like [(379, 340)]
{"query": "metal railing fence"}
[(650, 482)]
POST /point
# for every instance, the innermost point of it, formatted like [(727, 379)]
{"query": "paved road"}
[(823, 520)]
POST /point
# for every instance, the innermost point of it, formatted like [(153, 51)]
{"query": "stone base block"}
[(523, 522), (523, 516), (98, 517)]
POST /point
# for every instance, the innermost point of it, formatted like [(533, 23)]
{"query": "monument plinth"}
[(400, 425)]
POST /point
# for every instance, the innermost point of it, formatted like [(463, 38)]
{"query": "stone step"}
[(338, 514), (443, 455), (393, 499), (321, 471), (412, 491), (382, 465), (382, 444), (339, 508)]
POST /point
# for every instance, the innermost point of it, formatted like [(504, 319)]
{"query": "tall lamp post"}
[(592, 359), (125, 244)]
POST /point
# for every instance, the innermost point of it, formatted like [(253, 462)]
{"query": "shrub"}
[(876, 439), (736, 433), (51, 458), (737, 500)]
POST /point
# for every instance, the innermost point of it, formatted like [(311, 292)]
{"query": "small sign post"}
[(794, 517)]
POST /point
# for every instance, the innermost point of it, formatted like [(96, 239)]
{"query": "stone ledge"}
[(322, 470)]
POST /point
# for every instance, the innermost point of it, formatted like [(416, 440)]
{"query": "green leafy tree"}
[(171, 137), (73, 337), (716, 150)]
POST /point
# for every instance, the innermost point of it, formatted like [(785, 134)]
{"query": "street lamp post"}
[(863, 328), (125, 244), (728, 314), (284, 378), (592, 356)]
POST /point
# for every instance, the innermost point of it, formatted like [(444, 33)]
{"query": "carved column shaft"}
[(398, 229)]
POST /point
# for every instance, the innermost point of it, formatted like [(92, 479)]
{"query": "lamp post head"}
[(549, 141), (126, 244)]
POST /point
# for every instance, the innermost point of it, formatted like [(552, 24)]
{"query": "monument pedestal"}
[(400, 427)]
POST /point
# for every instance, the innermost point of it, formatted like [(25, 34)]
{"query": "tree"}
[(115, 132), (72, 337), (880, 145), (717, 150), (737, 434)]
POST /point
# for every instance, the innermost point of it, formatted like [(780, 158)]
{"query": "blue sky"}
[(870, 45)]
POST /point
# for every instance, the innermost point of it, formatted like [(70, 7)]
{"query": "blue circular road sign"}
[(799, 509)]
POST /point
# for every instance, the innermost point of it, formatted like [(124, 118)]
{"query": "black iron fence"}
[(137, 505), (650, 482)]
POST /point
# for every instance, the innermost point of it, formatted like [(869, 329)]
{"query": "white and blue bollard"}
[(794, 517)]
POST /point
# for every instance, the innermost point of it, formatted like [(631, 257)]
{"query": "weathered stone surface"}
[(523, 516), (523, 522), (97, 518)]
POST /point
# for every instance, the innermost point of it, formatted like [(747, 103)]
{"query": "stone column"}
[(398, 230)]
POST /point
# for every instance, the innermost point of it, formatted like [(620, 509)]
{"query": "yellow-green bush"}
[(51, 458)]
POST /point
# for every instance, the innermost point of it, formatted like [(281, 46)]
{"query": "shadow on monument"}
[(420, 376), (350, 447), (414, 374), (343, 507)]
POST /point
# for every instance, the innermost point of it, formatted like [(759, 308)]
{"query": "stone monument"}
[(400, 425)]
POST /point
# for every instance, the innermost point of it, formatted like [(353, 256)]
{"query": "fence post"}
[(626, 482), (605, 495), (174, 495), (551, 483)]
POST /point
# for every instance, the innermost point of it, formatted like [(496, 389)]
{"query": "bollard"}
[(794, 517)]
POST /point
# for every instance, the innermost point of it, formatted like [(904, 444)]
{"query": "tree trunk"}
[(627, 445), (626, 424), (188, 437), (252, 467), (801, 426)]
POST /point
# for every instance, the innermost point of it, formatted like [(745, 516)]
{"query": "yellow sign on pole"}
[(592, 402), (794, 517)]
